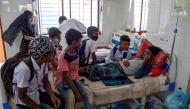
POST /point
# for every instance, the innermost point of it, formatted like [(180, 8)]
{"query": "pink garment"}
[(67, 63)]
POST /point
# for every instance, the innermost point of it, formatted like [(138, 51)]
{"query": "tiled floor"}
[(130, 104)]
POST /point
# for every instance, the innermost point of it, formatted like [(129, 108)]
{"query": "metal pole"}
[(175, 31), (70, 8), (170, 60), (141, 14)]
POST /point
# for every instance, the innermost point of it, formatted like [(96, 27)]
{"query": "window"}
[(49, 10), (85, 11), (139, 14)]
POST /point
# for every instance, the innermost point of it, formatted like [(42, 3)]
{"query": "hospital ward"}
[(94, 54)]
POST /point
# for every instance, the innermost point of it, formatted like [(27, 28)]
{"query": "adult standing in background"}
[(65, 25), (21, 23)]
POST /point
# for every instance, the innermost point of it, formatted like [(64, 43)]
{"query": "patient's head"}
[(124, 42), (151, 51)]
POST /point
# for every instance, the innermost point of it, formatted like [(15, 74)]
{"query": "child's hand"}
[(60, 47), (141, 54), (56, 101), (107, 47), (51, 66), (54, 63), (78, 97), (146, 58), (126, 63)]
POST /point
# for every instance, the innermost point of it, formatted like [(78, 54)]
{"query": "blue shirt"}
[(141, 72), (118, 55)]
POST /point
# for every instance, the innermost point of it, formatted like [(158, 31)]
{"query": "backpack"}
[(115, 49), (82, 58), (7, 69)]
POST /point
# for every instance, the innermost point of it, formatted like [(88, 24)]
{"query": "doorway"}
[(2, 47)]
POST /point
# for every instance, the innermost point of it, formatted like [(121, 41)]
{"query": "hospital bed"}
[(139, 89)]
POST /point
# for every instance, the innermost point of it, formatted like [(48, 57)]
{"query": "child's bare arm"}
[(27, 100), (73, 87), (103, 46), (81, 70), (53, 68), (94, 59), (145, 60), (49, 90)]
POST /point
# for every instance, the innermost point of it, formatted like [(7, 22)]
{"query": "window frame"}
[(98, 13), (143, 14), (39, 14), (39, 22)]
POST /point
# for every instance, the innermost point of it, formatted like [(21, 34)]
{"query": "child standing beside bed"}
[(67, 82)]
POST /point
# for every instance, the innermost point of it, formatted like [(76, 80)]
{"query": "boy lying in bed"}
[(139, 67)]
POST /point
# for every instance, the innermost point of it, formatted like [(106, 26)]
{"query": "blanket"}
[(110, 73)]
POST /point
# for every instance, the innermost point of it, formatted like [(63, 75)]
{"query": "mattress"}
[(109, 94), (102, 53)]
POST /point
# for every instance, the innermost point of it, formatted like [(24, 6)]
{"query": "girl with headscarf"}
[(21, 23)]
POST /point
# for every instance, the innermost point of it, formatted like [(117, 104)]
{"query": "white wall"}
[(9, 10), (115, 14), (161, 24)]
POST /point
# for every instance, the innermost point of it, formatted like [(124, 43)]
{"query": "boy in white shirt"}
[(28, 95), (119, 52), (90, 48), (65, 25)]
